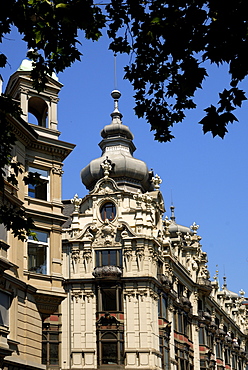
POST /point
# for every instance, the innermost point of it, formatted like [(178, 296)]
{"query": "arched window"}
[(108, 211), (110, 347)]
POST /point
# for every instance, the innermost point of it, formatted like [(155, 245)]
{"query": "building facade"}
[(31, 281), (111, 283), (138, 288)]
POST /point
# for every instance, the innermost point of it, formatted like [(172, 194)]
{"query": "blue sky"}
[(206, 178)]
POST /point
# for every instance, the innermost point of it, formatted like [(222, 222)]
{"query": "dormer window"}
[(108, 211)]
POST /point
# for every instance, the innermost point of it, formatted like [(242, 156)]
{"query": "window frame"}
[(45, 180), (118, 298), (4, 308), (163, 306), (103, 211), (31, 243), (118, 339), (99, 257), (47, 342)]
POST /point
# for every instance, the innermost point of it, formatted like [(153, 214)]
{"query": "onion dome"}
[(117, 159)]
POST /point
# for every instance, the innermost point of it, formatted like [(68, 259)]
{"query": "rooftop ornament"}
[(156, 181), (194, 227), (107, 167), (76, 201)]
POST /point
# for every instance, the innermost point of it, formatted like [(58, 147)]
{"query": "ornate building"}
[(120, 286), (138, 288)]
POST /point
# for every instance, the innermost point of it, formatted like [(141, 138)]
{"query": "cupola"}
[(38, 109), (117, 157)]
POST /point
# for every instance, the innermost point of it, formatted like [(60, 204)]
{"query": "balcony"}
[(107, 272)]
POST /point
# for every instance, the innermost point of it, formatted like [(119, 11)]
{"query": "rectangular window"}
[(202, 335), (50, 345), (162, 306), (111, 257), (38, 253), (4, 308), (41, 190), (110, 298)]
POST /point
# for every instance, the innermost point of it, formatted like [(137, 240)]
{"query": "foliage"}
[(169, 43)]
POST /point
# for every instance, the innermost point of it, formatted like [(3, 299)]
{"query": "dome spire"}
[(116, 115)]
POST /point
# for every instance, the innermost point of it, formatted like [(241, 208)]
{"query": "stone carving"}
[(139, 198), (76, 295), (156, 181), (107, 232), (107, 271), (57, 171), (75, 254), (76, 201), (107, 167), (194, 227)]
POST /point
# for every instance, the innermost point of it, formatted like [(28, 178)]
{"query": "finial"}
[(107, 167), (172, 208), (156, 181), (241, 293), (116, 96), (76, 201), (194, 227), (224, 282)]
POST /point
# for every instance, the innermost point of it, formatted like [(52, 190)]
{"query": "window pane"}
[(113, 257), (37, 258), (109, 300), (40, 235), (109, 353), (54, 353), (109, 336), (98, 258), (105, 261), (44, 353), (43, 173), (39, 191), (4, 309), (108, 211)]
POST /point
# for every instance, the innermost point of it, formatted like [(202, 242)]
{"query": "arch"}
[(38, 108)]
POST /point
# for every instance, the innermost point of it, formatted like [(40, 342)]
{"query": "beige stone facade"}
[(31, 281), (139, 294), (112, 283)]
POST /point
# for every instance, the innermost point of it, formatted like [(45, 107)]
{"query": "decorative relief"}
[(139, 198), (76, 201), (87, 254), (88, 296), (142, 293), (76, 295), (107, 167), (156, 181), (129, 294), (75, 254), (24, 90), (53, 99), (57, 171)]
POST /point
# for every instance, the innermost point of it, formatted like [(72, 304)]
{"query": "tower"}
[(32, 284), (111, 260)]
